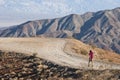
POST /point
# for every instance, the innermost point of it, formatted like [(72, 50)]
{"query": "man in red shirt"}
[(90, 58)]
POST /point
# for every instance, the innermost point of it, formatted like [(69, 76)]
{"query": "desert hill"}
[(64, 52), (100, 28)]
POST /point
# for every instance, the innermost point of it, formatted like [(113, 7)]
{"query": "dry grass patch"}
[(77, 47), (84, 52), (80, 48)]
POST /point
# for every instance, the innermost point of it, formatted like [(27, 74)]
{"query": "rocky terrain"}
[(101, 28), (19, 66)]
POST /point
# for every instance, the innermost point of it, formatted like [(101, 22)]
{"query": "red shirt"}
[(91, 55)]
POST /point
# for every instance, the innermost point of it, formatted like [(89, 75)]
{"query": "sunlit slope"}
[(65, 52)]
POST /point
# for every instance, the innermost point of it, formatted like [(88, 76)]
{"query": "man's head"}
[(90, 50)]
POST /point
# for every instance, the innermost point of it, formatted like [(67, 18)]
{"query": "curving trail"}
[(52, 50)]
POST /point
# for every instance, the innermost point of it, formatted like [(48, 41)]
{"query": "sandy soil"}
[(53, 50)]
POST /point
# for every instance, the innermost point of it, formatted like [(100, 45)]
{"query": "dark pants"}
[(90, 63)]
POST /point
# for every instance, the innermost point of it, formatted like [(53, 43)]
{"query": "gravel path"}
[(52, 50)]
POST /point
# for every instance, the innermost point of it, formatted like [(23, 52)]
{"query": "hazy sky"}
[(17, 11)]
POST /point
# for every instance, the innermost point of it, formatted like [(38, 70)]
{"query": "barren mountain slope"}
[(66, 52), (101, 28)]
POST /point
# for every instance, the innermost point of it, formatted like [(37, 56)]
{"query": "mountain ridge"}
[(100, 28)]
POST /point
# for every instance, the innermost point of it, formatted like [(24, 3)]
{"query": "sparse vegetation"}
[(18, 66), (84, 52), (101, 52), (76, 50), (110, 60)]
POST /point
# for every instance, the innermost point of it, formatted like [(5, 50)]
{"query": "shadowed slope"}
[(100, 28)]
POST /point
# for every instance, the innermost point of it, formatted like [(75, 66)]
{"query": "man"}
[(90, 58)]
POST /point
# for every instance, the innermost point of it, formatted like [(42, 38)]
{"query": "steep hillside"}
[(65, 52), (101, 28)]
